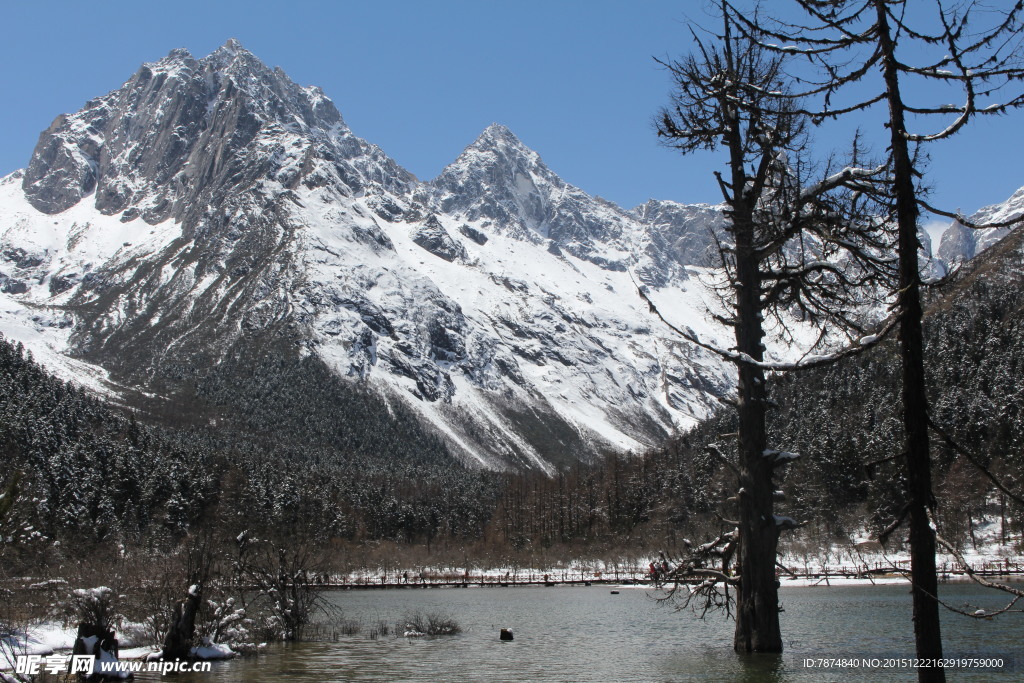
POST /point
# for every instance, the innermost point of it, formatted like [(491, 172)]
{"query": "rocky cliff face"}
[(212, 206), (182, 133)]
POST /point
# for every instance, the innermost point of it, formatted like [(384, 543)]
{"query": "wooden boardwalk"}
[(411, 580), (485, 580)]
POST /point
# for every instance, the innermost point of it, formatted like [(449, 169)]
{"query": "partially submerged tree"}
[(181, 631), (794, 254), (900, 49)]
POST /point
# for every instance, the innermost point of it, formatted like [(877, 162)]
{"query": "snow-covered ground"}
[(49, 638), (864, 562)]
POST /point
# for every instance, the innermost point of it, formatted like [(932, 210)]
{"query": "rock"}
[(434, 238), (506, 634), (10, 285), (61, 171), (473, 234)]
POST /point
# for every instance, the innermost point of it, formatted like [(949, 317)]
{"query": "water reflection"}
[(587, 634), (760, 668)]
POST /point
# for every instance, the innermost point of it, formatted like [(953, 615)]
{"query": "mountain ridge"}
[(209, 204), (211, 209)]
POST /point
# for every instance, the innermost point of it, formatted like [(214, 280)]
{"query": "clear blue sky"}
[(575, 79)]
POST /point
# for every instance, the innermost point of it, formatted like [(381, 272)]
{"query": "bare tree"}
[(852, 42), (284, 573), (794, 254)]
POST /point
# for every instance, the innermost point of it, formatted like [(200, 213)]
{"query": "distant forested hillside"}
[(239, 454), (845, 419)]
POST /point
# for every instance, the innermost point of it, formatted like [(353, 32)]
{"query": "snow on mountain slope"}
[(960, 244), (512, 321), (43, 258), (212, 204)]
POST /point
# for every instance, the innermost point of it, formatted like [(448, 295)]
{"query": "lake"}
[(589, 634)]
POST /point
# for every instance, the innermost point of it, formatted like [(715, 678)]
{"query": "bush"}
[(381, 629), (94, 606), (430, 624)]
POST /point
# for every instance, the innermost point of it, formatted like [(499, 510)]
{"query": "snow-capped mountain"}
[(503, 186), (212, 205), (960, 244)]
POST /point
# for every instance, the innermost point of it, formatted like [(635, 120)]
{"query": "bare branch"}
[(981, 614), (714, 450), (883, 535), (964, 221), (861, 346), (976, 461)]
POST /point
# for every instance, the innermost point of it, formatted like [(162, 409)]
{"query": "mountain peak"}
[(499, 169), (231, 57), (180, 125), (232, 46), (498, 136), (497, 147), (959, 244), (498, 131), (179, 53)]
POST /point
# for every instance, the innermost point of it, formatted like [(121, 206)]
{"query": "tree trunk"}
[(1002, 520), (757, 605), (178, 643), (927, 633)]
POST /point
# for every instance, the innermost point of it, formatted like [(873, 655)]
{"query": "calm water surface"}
[(588, 634)]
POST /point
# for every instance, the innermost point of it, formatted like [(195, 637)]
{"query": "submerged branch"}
[(982, 581)]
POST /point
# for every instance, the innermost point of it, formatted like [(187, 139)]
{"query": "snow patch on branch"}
[(779, 456), (783, 522)]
